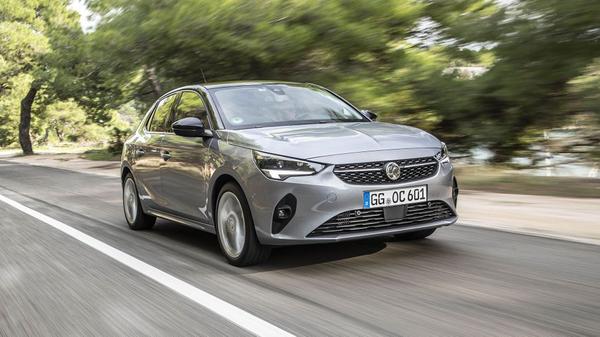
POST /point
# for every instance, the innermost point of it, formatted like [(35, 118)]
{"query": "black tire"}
[(141, 221), (253, 251), (455, 191), (418, 235)]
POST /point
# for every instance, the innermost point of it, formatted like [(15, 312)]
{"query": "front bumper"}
[(323, 196)]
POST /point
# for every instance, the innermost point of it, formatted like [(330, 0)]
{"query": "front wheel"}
[(235, 229), (418, 235)]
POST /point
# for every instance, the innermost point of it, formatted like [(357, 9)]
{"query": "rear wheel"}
[(235, 229), (136, 219), (418, 235)]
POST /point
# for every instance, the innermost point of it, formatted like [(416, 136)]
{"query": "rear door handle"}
[(165, 155)]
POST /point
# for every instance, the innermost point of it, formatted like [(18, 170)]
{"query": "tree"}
[(474, 72), (34, 33), (538, 47), (66, 119), (176, 43)]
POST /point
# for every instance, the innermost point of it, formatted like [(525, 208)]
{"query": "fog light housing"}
[(283, 213)]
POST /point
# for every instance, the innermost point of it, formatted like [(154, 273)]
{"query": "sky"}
[(88, 20)]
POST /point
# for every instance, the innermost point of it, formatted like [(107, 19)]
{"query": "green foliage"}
[(66, 119), (585, 91), (121, 125), (117, 140), (474, 72), (538, 46), (301, 40), (10, 101), (93, 133), (101, 154), (37, 38)]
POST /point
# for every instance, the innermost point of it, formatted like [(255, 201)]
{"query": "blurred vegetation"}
[(476, 73), (505, 180), (101, 154)]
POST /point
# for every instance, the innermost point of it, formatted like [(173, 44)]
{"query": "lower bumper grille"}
[(373, 219)]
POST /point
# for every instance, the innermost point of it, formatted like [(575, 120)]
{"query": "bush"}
[(94, 133), (66, 119), (118, 137)]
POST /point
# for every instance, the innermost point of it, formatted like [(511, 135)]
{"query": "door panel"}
[(185, 175), (188, 164), (147, 152), (147, 168)]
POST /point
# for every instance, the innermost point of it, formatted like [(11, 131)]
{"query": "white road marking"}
[(224, 309)]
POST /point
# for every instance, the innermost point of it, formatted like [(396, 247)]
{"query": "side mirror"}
[(370, 114), (190, 127)]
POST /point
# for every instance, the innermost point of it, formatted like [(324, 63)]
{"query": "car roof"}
[(242, 83), (226, 84)]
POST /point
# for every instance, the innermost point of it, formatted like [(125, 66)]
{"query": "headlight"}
[(443, 154), (280, 168)]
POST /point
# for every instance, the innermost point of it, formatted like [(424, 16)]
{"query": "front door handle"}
[(139, 152), (165, 155)]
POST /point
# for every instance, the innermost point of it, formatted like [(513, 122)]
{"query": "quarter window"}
[(161, 114), (191, 105)]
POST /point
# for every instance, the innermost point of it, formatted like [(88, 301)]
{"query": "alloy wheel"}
[(231, 224), (130, 200)]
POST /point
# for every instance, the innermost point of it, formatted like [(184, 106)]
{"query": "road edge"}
[(595, 242)]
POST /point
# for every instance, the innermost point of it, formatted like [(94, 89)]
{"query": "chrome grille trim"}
[(372, 173), (357, 170), (373, 219)]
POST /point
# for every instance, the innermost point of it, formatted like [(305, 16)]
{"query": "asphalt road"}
[(462, 281)]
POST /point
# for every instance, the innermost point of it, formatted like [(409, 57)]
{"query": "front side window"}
[(161, 114), (191, 105), (281, 104)]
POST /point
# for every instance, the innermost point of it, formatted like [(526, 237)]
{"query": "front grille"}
[(373, 173), (373, 219)]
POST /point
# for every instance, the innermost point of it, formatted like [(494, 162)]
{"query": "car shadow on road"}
[(198, 244), (188, 238), (298, 256), (388, 250)]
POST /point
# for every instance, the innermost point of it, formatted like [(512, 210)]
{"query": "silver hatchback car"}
[(262, 164)]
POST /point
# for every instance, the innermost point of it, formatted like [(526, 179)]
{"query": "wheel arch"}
[(216, 187), (125, 170)]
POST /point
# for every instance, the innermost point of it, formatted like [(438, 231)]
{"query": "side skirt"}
[(182, 220)]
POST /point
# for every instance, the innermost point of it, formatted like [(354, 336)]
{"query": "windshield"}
[(281, 104)]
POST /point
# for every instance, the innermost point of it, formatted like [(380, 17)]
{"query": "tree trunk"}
[(46, 135), (59, 134), (25, 123), (156, 87)]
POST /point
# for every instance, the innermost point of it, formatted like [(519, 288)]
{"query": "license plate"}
[(398, 196)]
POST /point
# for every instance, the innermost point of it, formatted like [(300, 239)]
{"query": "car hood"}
[(323, 140)]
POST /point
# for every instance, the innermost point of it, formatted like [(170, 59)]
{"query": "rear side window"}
[(161, 114), (191, 105)]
